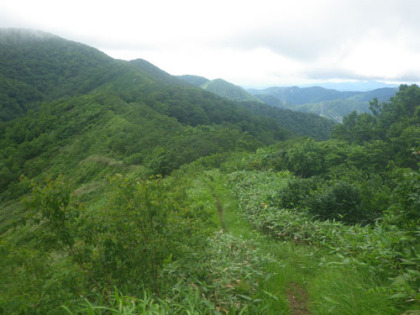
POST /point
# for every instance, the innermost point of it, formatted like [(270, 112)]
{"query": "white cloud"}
[(247, 42)]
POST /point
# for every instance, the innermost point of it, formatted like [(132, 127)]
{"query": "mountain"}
[(123, 188), (362, 86), (63, 103), (228, 90), (297, 96), (321, 101), (221, 87), (194, 79), (46, 67), (302, 124)]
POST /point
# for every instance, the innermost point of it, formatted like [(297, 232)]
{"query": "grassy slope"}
[(317, 288)]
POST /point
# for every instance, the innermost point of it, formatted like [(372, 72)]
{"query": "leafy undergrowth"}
[(259, 260), (377, 265), (245, 271)]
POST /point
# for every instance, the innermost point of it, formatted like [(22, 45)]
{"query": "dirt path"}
[(298, 299), (220, 211), (296, 296)]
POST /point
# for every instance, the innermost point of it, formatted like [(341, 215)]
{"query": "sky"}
[(249, 43)]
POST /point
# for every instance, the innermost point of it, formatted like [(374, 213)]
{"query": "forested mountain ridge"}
[(298, 96), (228, 90), (320, 101), (315, 99), (122, 110), (104, 224), (48, 67), (194, 79), (302, 124)]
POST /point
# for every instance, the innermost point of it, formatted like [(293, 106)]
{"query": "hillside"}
[(132, 191), (318, 100), (302, 124), (362, 86), (194, 79), (298, 96), (47, 67), (130, 111), (228, 90)]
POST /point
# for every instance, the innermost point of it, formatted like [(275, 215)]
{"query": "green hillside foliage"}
[(316, 99), (142, 194), (298, 96), (394, 126), (228, 90), (193, 79), (49, 67), (302, 124)]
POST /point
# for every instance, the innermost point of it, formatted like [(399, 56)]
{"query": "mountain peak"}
[(22, 34), (228, 90)]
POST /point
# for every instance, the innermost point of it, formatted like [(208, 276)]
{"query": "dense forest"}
[(126, 190)]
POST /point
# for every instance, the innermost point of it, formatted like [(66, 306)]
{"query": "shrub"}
[(342, 201)]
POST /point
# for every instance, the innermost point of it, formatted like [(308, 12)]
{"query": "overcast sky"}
[(250, 43)]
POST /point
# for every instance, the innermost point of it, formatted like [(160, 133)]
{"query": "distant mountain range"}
[(361, 86), (319, 100)]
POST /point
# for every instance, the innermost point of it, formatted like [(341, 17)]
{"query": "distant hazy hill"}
[(361, 86), (221, 87), (317, 99), (228, 90), (194, 79), (297, 96)]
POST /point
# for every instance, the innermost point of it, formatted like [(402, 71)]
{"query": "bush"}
[(297, 192), (341, 202)]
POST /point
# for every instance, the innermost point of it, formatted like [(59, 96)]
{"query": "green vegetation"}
[(302, 124), (320, 101), (133, 192), (228, 90)]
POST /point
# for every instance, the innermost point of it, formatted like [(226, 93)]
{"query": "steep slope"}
[(156, 74), (127, 112), (48, 67), (131, 112), (300, 123)]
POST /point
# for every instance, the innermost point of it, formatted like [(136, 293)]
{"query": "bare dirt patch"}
[(220, 211), (298, 299)]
